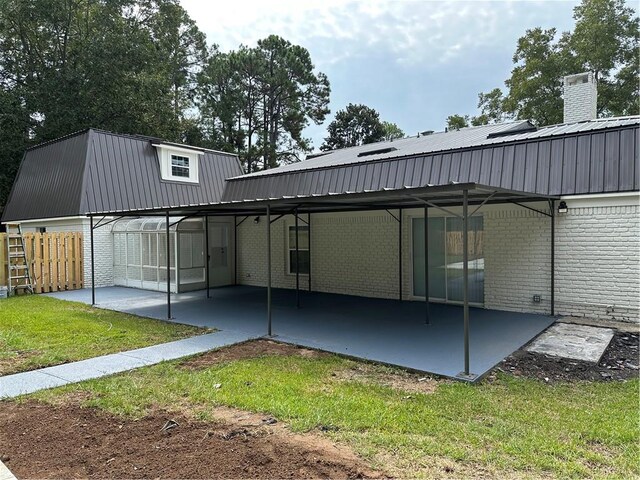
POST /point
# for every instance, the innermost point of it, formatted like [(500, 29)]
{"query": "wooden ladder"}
[(19, 271)]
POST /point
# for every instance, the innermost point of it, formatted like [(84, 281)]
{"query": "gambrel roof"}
[(98, 171)]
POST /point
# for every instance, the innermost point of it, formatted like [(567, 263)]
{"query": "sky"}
[(414, 61)]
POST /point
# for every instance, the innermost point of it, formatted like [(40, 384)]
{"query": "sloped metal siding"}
[(593, 162), (49, 181), (123, 174)]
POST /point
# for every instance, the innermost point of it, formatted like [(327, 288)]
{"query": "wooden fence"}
[(55, 260)]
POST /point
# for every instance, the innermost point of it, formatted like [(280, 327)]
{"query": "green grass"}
[(509, 427), (38, 331)]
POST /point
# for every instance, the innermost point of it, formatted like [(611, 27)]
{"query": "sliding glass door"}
[(445, 259)]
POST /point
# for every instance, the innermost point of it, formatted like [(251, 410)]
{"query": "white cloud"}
[(416, 61), (410, 30)]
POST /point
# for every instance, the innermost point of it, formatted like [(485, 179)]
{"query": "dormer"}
[(178, 163)]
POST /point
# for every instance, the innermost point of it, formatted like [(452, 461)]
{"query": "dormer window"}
[(178, 164)]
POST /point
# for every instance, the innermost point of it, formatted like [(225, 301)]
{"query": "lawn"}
[(506, 427), (38, 331)]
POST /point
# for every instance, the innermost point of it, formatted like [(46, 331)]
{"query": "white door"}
[(220, 254)]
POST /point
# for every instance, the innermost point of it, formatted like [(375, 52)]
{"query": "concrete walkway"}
[(34, 380)]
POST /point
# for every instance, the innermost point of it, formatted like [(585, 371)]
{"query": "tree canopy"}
[(127, 66), (391, 131), (358, 124), (604, 40), (143, 67), (257, 101)]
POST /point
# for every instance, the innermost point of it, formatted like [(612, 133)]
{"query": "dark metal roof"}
[(586, 158), (96, 171), (440, 142), (104, 173)]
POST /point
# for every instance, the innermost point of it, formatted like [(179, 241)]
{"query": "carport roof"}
[(435, 195)]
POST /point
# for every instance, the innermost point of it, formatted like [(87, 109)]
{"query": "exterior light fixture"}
[(256, 220), (562, 207)]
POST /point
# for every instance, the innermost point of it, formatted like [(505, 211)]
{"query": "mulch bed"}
[(44, 441), (619, 362)]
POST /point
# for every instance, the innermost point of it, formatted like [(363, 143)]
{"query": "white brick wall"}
[(597, 258), (598, 264), (354, 254), (517, 260), (103, 254)]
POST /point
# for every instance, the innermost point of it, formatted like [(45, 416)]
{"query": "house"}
[(552, 215)]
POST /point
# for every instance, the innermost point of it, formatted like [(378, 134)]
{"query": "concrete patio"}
[(386, 331)]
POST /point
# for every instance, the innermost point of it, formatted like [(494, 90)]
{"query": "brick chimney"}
[(580, 97)]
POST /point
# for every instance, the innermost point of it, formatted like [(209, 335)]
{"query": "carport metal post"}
[(427, 319), (309, 235), (297, 263), (93, 269), (465, 280), (168, 230), (400, 253), (206, 254), (552, 204), (268, 222)]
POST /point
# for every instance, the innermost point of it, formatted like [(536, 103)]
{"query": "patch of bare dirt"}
[(620, 362), (44, 441), (397, 379), (251, 349), (362, 372), (13, 361)]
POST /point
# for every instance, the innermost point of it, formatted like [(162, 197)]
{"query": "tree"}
[(14, 127), (293, 96), (122, 65), (391, 131), (456, 122), (491, 108), (535, 86), (257, 101), (604, 40), (355, 125)]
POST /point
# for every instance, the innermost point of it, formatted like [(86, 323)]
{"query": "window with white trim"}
[(303, 250), (180, 166)]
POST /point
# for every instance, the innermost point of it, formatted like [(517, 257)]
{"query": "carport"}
[(419, 335), (379, 330), (107, 176)]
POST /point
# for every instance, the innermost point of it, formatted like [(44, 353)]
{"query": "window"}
[(445, 257), (303, 250), (179, 166)]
